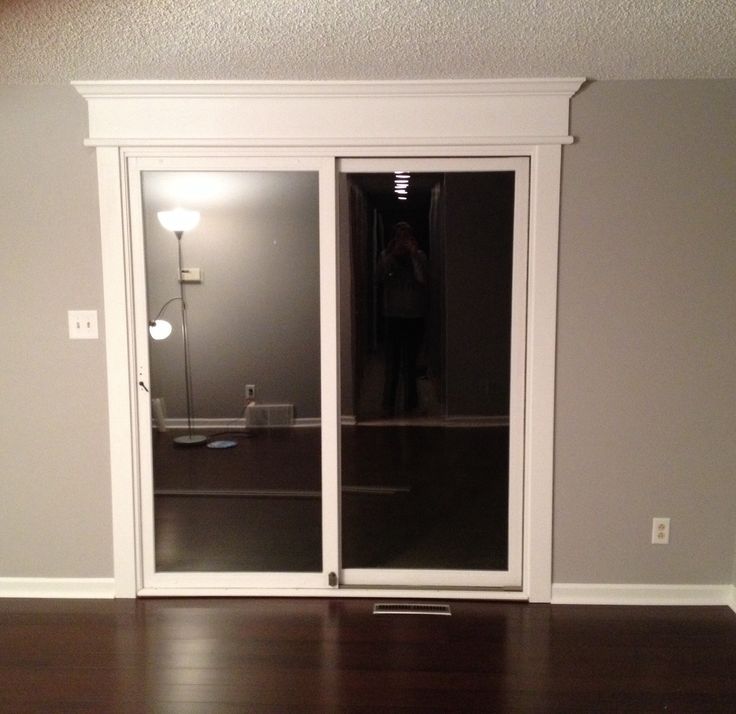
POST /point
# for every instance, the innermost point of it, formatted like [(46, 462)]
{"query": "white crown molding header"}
[(329, 113), (441, 87)]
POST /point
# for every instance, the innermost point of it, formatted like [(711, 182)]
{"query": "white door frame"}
[(333, 119)]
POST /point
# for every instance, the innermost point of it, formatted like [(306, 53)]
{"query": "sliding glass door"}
[(330, 364), (228, 255), (433, 290)]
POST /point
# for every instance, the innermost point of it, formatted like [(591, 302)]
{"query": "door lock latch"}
[(332, 580)]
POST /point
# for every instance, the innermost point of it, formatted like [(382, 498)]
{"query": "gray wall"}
[(55, 512), (646, 386), (646, 408), (254, 318)]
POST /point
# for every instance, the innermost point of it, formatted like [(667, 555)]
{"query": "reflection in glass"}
[(250, 279), (425, 338)]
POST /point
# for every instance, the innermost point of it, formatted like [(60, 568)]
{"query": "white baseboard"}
[(93, 588), (617, 594), (562, 593)]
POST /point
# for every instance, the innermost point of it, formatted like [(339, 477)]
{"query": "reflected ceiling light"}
[(202, 188), (178, 220), (401, 184)]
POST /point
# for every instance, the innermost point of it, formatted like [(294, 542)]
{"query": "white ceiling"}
[(54, 41)]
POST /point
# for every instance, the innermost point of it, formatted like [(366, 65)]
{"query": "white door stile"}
[(141, 375), (517, 392), (513, 576), (119, 355), (544, 218), (330, 373)]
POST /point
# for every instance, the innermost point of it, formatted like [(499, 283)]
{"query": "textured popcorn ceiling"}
[(53, 41)]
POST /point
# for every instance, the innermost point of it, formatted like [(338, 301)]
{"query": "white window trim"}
[(335, 119)]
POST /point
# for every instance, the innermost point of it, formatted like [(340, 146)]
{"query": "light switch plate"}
[(83, 325)]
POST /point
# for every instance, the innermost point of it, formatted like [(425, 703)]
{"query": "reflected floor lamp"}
[(178, 221)]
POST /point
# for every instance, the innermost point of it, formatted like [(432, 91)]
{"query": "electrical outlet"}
[(661, 531), (250, 392)]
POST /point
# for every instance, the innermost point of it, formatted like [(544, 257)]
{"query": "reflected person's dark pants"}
[(403, 338)]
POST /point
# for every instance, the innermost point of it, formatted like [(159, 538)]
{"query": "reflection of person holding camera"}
[(402, 269)]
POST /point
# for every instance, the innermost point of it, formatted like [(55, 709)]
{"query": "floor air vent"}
[(410, 608)]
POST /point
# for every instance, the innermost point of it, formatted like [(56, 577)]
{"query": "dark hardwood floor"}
[(201, 656)]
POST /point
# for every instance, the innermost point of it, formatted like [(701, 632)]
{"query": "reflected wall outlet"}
[(250, 392), (661, 531), (191, 275)]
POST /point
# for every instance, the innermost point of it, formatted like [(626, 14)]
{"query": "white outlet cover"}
[(660, 531), (83, 324)]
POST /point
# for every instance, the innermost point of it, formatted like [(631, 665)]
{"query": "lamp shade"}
[(159, 329), (178, 220)]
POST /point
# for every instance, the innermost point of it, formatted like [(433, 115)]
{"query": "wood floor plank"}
[(320, 655)]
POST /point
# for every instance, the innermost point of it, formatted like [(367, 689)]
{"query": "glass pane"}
[(426, 335), (235, 387)]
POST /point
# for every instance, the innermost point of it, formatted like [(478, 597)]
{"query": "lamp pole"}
[(191, 438), (178, 221)]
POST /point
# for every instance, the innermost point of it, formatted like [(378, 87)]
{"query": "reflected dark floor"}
[(207, 656), (242, 533), (413, 497)]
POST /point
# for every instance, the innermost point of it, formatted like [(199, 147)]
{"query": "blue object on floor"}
[(222, 444)]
